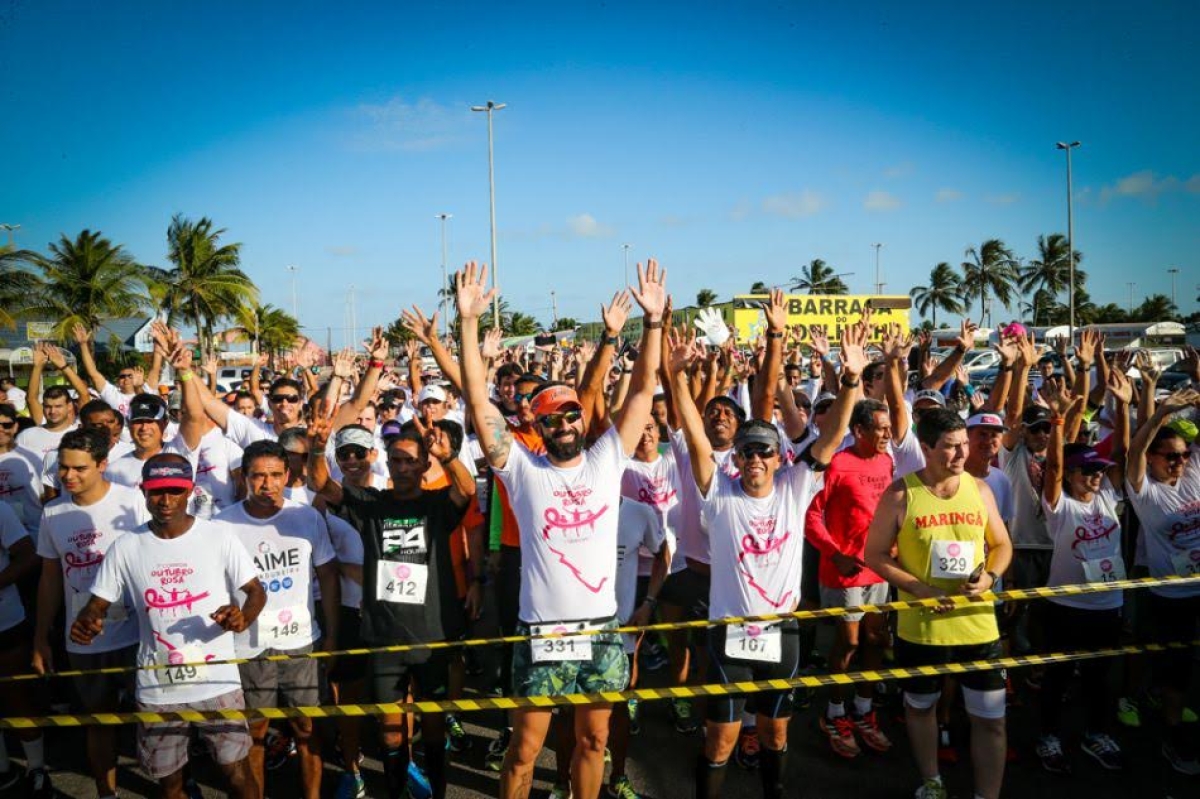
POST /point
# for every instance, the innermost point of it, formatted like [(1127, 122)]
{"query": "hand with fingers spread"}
[(320, 427), (1179, 400), (1058, 398), (180, 358), (1191, 363), (425, 329), (1026, 353), (81, 334), (378, 347), (616, 313), (681, 351), (651, 292), (343, 364), (473, 295), (775, 310), (1009, 350), (1146, 367), (710, 323), (412, 348), (1088, 340), (853, 352), (1119, 386), (438, 444), (39, 355), (966, 335), (818, 339), (56, 357), (490, 348)]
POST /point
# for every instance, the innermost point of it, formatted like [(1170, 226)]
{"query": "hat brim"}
[(167, 482)]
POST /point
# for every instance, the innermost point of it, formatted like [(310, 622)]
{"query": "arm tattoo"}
[(501, 439)]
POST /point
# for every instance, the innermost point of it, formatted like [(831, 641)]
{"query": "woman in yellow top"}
[(949, 539)]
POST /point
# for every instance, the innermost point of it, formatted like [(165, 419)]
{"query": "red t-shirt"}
[(841, 513)]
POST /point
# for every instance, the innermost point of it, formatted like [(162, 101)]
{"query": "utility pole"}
[(1131, 285), (554, 308), (489, 108), (625, 247), (878, 276), (1173, 271), (445, 279), (1071, 239)]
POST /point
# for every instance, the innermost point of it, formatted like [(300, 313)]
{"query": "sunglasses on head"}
[(351, 451), (1172, 457), (762, 451), (1040, 427), (557, 420), (280, 398)]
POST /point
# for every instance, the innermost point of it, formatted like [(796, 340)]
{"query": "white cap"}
[(431, 392)]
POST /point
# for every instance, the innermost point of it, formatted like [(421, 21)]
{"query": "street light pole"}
[(295, 307), (445, 278), (489, 108), (554, 309), (1071, 241), (1131, 285), (878, 277), (625, 247), (10, 229), (1173, 271)]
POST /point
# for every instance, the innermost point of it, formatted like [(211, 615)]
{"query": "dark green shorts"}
[(608, 670)]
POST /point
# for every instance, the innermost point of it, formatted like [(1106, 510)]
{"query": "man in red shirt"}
[(836, 525)]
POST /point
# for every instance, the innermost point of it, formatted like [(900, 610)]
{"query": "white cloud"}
[(794, 206), (585, 226), (1147, 186), (399, 124), (948, 195), (901, 170), (1002, 199), (879, 200)]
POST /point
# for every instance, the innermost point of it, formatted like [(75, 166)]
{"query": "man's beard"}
[(563, 450)]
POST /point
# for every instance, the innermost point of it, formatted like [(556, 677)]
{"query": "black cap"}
[(147, 407), (1035, 414)]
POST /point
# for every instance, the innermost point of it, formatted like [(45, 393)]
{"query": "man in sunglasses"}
[(147, 422), (286, 399), (566, 504)]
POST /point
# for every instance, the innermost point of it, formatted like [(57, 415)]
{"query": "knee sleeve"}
[(984, 704), (922, 701)]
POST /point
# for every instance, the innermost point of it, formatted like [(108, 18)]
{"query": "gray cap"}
[(757, 431)]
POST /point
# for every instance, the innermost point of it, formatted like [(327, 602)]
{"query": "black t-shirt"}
[(410, 531)]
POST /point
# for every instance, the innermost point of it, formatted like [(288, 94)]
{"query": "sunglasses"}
[(281, 398), (7, 425), (523, 397), (557, 420), (804, 406), (125, 376), (761, 451), (1039, 428), (351, 452), (1171, 457), (1092, 470)]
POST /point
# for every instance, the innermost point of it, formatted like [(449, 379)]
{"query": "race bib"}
[(952, 560), (567, 648), (176, 674), (401, 582), (754, 641), (1104, 570), (1187, 564), (285, 629)]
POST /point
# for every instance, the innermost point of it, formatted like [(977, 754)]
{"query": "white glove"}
[(710, 323)]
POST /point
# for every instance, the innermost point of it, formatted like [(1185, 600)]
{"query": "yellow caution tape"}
[(1016, 594), (547, 702)]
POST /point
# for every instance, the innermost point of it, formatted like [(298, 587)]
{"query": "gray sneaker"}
[(1182, 760)]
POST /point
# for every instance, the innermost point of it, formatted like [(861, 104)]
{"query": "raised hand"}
[(651, 292), (81, 334), (854, 354), (681, 351), (966, 335), (1089, 340), (56, 357), (1146, 367), (180, 358), (616, 313), (39, 355), (490, 349), (1191, 363), (412, 348), (343, 364), (210, 363), (1119, 386), (818, 339), (424, 329), (1026, 354), (378, 347), (1009, 349), (438, 444), (1058, 397), (473, 295), (1179, 400), (320, 427), (584, 352), (776, 311)]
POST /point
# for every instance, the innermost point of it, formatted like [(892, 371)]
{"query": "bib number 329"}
[(952, 560), (401, 582)]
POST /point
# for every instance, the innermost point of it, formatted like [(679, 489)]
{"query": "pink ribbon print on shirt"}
[(174, 656), (756, 555), (571, 525)]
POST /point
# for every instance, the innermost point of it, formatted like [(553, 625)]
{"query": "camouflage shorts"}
[(608, 670)]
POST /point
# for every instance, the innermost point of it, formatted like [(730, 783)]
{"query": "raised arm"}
[(192, 419), (962, 345), (681, 354), (1149, 396), (84, 339), (762, 398), (1135, 470), (1122, 393), (462, 483), (651, 295), (58, 360), (33, 396), (896, 347), (1062, 403), (1068, 368), (591, 390), (854, 360), (998, 396), (473, 300), (1026, 356), (319, 430), (425, 331), (1089, 339)]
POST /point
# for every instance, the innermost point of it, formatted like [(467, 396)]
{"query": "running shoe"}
[(932, 789), (494, 759), (1182, 759), (867, 727), (1128, 713), (746, 753), (840, 732), (1154, 698), (946, 752), (684, 716), (351, 786), (1050, 752), (635, 726), (192, 789), (418, 783), (279, 747), (1104, 750), (560, 792), (457, 739), (38, 784), (622, 789)]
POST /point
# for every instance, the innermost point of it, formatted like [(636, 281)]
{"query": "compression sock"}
[(862, 705), (710, 778), (771, 765)]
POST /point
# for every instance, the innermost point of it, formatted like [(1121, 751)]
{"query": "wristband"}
[(652, 601), (851, 383), (1004, 368), (611, 340), (959, 348), (184, 376), (1057, 421), (316, 370), (653, 325), (373, 364), (774, 334), (995, 577)]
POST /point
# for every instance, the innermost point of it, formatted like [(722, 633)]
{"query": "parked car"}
[(976, 360)]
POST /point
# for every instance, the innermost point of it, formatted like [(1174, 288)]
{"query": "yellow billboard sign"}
[(807, 312)]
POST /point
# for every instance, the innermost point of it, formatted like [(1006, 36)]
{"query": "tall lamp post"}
[(1070, 240), (10, 228), (878, 275), (489, 108), (1173, 271), (295, 307), (445, 278), (625, 247)]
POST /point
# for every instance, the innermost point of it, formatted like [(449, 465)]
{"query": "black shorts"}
[(724, 669), (810, 565), (1174, 620), (687, 589), (20, 634), (910, 655), (349, 668), (392, 676)]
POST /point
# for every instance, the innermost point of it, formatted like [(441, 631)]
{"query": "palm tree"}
[(520, 324), (1156, 308), (207, 283), (760, 287), (944, 292), (86, 280), (818, 278), (705, 297), (1050, 271), (19, 286), (1110, 314), (273, 330), (565, 323), (989, 269)]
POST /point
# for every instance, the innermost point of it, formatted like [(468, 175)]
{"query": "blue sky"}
[(733, 141)]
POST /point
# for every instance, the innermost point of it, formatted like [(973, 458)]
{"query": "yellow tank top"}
[(941, 542)]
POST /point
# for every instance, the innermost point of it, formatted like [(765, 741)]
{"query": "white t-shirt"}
[(655, 484), (907, 455), (285, 548), (213, 462), (1029, 524), (179, 583), (20, 486), (50, 464), (16, 398), (12, 612), (117, 399), (42, 441), (125, 470), (568, 526), (1001, 487), (348, 548), (244, 431), (1170, 517), (640, 529), (757, 543), (693, 542), (78, 537), (1085, 533)]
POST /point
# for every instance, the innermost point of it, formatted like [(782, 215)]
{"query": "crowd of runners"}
[(683, 476)]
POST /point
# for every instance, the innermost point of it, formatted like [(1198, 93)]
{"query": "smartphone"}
[(975, 575)]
